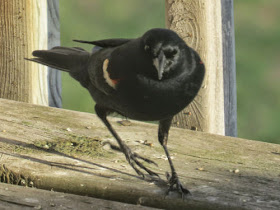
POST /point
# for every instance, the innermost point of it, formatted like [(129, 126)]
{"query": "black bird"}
[(150, 78)]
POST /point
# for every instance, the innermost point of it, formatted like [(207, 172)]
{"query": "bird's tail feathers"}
[(62, 58)]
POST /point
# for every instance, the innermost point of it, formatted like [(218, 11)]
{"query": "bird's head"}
[(164, 47)]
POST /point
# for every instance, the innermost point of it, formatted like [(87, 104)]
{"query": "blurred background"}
[(257, 35)]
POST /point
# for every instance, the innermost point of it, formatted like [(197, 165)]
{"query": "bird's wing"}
[(106, 42)]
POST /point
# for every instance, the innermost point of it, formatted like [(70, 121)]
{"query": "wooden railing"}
[(67, 151)]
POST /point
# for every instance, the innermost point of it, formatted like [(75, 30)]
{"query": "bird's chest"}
[(147, 100)]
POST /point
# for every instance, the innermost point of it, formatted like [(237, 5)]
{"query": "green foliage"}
[(257, 34), (257, 52)]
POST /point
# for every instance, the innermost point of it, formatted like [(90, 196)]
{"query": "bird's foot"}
[(175, 185), (133, 160)]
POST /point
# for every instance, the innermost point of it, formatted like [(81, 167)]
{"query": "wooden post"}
[(230, 100), (200, 24), (27, 25), (54, 76)]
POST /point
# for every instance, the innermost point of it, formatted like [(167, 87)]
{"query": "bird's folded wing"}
[(106, 42)]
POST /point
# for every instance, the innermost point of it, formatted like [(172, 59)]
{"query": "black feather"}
[(106, 42)]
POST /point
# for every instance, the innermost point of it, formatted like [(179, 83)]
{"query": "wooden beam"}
[(27, 25), (69, 151), (19, 197), (199, 23)]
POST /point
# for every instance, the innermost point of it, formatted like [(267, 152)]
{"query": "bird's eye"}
[(170, 53)]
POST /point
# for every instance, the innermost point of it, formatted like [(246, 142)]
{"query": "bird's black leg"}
[(132, 158), (174, 182)]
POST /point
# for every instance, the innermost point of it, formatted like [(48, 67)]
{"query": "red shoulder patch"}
[(115, 81)]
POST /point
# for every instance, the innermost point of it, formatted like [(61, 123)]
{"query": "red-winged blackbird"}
[(150, 78)]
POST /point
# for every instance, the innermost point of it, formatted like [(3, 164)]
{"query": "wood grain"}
[(24, 28), (229, 66), (54, 76), (19, 198), (15, 77)]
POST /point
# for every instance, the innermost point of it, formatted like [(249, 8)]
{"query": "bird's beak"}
[(159, 63)]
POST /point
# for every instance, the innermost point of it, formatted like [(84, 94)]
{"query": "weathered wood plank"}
[(207, 26), (23, 198), (27, 25), (65, 151)]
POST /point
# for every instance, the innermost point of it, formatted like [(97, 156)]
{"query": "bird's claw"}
[(145, 159), (175, 185), (132, 158)]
